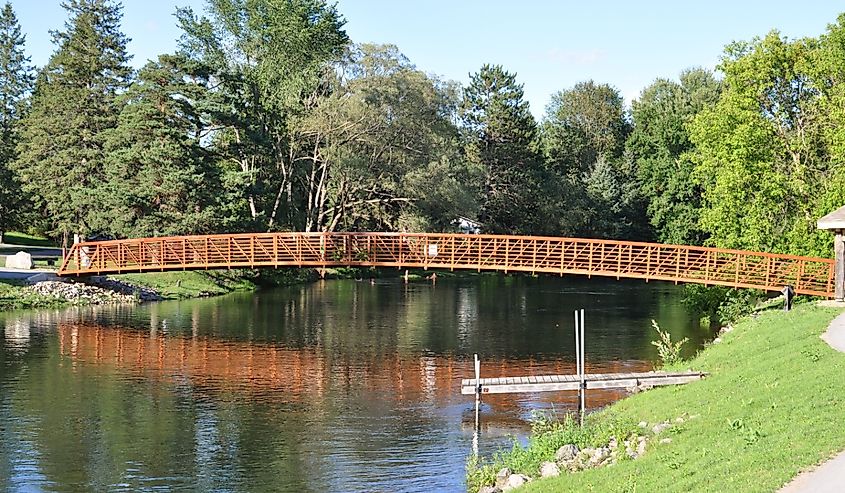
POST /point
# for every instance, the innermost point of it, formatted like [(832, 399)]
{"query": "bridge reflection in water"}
[(306, 374)]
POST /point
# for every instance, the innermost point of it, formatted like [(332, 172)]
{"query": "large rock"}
[(549, 469), (515, 481), (502, 477), (490, 489), (599, 456), (660, 428), (567, 453), (641, 445), (20, 260)]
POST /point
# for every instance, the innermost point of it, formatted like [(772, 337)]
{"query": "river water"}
[(333, 386)]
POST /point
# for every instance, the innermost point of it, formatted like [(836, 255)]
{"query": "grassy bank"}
[(771, 407), (18, 238)]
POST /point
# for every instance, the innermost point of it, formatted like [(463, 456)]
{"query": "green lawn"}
[(772, 406), (17, 238)]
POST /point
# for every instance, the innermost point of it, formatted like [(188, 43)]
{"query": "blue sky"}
[(551, 45)]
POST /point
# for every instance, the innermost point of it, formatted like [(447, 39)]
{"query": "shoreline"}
[(16, 294), (767, 411)]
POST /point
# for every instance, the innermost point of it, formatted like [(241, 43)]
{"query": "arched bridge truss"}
[(533, 254)]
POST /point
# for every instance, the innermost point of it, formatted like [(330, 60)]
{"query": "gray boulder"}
[(515, 481), (502, 477), (660, 428), (549, 469), (567, 453), (20, 260)]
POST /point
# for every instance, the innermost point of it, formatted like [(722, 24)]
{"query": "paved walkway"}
[(22, 273), (830, 476)]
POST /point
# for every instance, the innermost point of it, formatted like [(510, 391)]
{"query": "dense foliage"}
[(270, 118)]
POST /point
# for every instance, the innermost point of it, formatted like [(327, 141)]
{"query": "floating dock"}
[(556, 383)]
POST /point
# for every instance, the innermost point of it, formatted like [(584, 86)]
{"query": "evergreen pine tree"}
[(501, 132), (16, 79), (62, 161), (160, 179)]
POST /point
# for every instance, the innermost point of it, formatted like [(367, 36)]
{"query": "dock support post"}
[(477, 404), (579, 364), (583, 404)]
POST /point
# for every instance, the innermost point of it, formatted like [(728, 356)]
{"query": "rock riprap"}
[(85, 294), (570, 458)]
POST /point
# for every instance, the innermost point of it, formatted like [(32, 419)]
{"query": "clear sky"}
[(551, 45)]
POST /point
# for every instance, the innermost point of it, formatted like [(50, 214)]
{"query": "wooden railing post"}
[(507, 254), (452, 259), (479, 253), (738, 260), (252, 250), (677, 263)]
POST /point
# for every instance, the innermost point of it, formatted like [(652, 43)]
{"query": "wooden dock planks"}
[(556, 383)]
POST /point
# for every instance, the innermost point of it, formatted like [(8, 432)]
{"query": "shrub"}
[(669, 352)]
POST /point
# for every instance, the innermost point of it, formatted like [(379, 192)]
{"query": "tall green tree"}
[(500, 135), (760, 152), (380, 148), (583, 140), (160, 180), (583, 124), (657, 145), (269, 59), (16, 80), (62, 161)]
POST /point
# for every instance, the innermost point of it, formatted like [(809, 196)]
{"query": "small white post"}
[(477, 404), (583, 372), (578, 357)]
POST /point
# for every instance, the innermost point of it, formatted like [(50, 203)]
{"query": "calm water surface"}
[(334, 386)]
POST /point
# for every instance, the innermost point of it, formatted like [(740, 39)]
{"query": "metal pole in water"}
[(578, 357), (583, 405), (477, 404)]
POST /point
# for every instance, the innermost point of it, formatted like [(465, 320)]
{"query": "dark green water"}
[(334, 386)]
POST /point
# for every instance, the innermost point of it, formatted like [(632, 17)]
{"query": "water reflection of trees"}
[(246, 389)]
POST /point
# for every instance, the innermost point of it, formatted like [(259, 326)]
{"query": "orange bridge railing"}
[(591, 257)]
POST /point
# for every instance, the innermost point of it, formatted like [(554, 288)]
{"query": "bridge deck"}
[(555, 383), (591, 257)]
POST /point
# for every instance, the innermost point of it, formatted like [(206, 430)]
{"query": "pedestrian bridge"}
[(532, 254)]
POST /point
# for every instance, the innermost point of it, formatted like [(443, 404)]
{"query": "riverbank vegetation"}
[(769, 408)]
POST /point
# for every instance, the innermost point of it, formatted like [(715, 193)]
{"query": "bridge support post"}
[(839, 275), (835, 222)]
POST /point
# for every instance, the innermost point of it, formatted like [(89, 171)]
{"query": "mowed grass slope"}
[(773, 405)]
